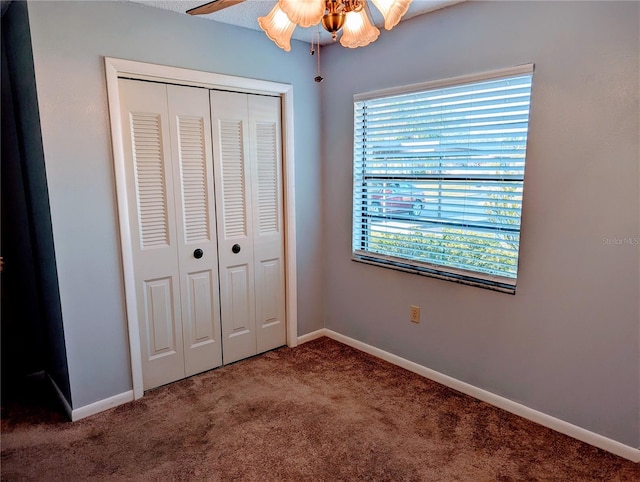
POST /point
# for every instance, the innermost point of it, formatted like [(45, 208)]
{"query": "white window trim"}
[(481, 280), (450, 82)]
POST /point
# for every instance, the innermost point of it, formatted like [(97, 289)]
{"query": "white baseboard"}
[(101, 405), (92, 408), (61, 397), (312, 336), (523, 411)]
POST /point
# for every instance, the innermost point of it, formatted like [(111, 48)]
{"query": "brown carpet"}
[(321, 412)]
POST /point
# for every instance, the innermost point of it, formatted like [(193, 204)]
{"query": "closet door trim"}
[(121, 68)]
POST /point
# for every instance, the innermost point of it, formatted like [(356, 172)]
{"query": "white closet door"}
[(230, 125), (190, 127), (151, 207), (268, 239), (248, 151)]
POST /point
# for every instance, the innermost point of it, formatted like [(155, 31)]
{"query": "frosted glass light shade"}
[(278, 27), (392, 11), (303, 12), (358, 30)]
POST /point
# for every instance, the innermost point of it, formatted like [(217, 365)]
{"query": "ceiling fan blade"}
[(213, 7)]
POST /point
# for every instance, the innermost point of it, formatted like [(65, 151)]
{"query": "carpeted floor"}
[(319, 412)]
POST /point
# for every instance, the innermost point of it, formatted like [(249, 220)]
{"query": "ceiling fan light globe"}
[(278, 27), (358, 30), (303, 12), (392, 11)]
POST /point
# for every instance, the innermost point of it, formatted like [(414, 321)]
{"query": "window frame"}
[(450, 273)]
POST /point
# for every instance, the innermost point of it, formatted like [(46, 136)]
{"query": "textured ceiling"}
[(247, 13)]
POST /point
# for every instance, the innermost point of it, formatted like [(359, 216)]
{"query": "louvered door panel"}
[(234, 198), (267, 159), (193, 170), (229, 118), (149, 170), (152, 221), (193, 166), (268, 240)]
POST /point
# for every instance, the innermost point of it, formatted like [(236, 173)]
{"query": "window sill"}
[(433, 272)]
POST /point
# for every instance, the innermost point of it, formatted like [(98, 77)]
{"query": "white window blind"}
[(438, 178)]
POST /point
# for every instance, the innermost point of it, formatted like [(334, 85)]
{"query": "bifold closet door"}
[(190, 128), (248, 155), (169, 178), (265, 138)]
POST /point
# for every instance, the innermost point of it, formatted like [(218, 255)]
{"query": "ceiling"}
[(247, 13)]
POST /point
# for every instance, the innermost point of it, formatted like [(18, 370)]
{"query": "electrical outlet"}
[(415, 314)]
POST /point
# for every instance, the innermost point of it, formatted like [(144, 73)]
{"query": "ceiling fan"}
[(352, 17), (213, 6)]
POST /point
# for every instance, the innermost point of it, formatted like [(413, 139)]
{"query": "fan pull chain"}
[(318, 78)]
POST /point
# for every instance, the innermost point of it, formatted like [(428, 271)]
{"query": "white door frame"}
[(115, 68)]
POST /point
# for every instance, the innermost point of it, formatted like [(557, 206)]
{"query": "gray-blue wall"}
[(69, 41), (567, 343)]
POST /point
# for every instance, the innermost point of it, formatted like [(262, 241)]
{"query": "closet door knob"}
[(236, 248), (198, 253)]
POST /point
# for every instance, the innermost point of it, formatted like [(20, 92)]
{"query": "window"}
[(438, 177)]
